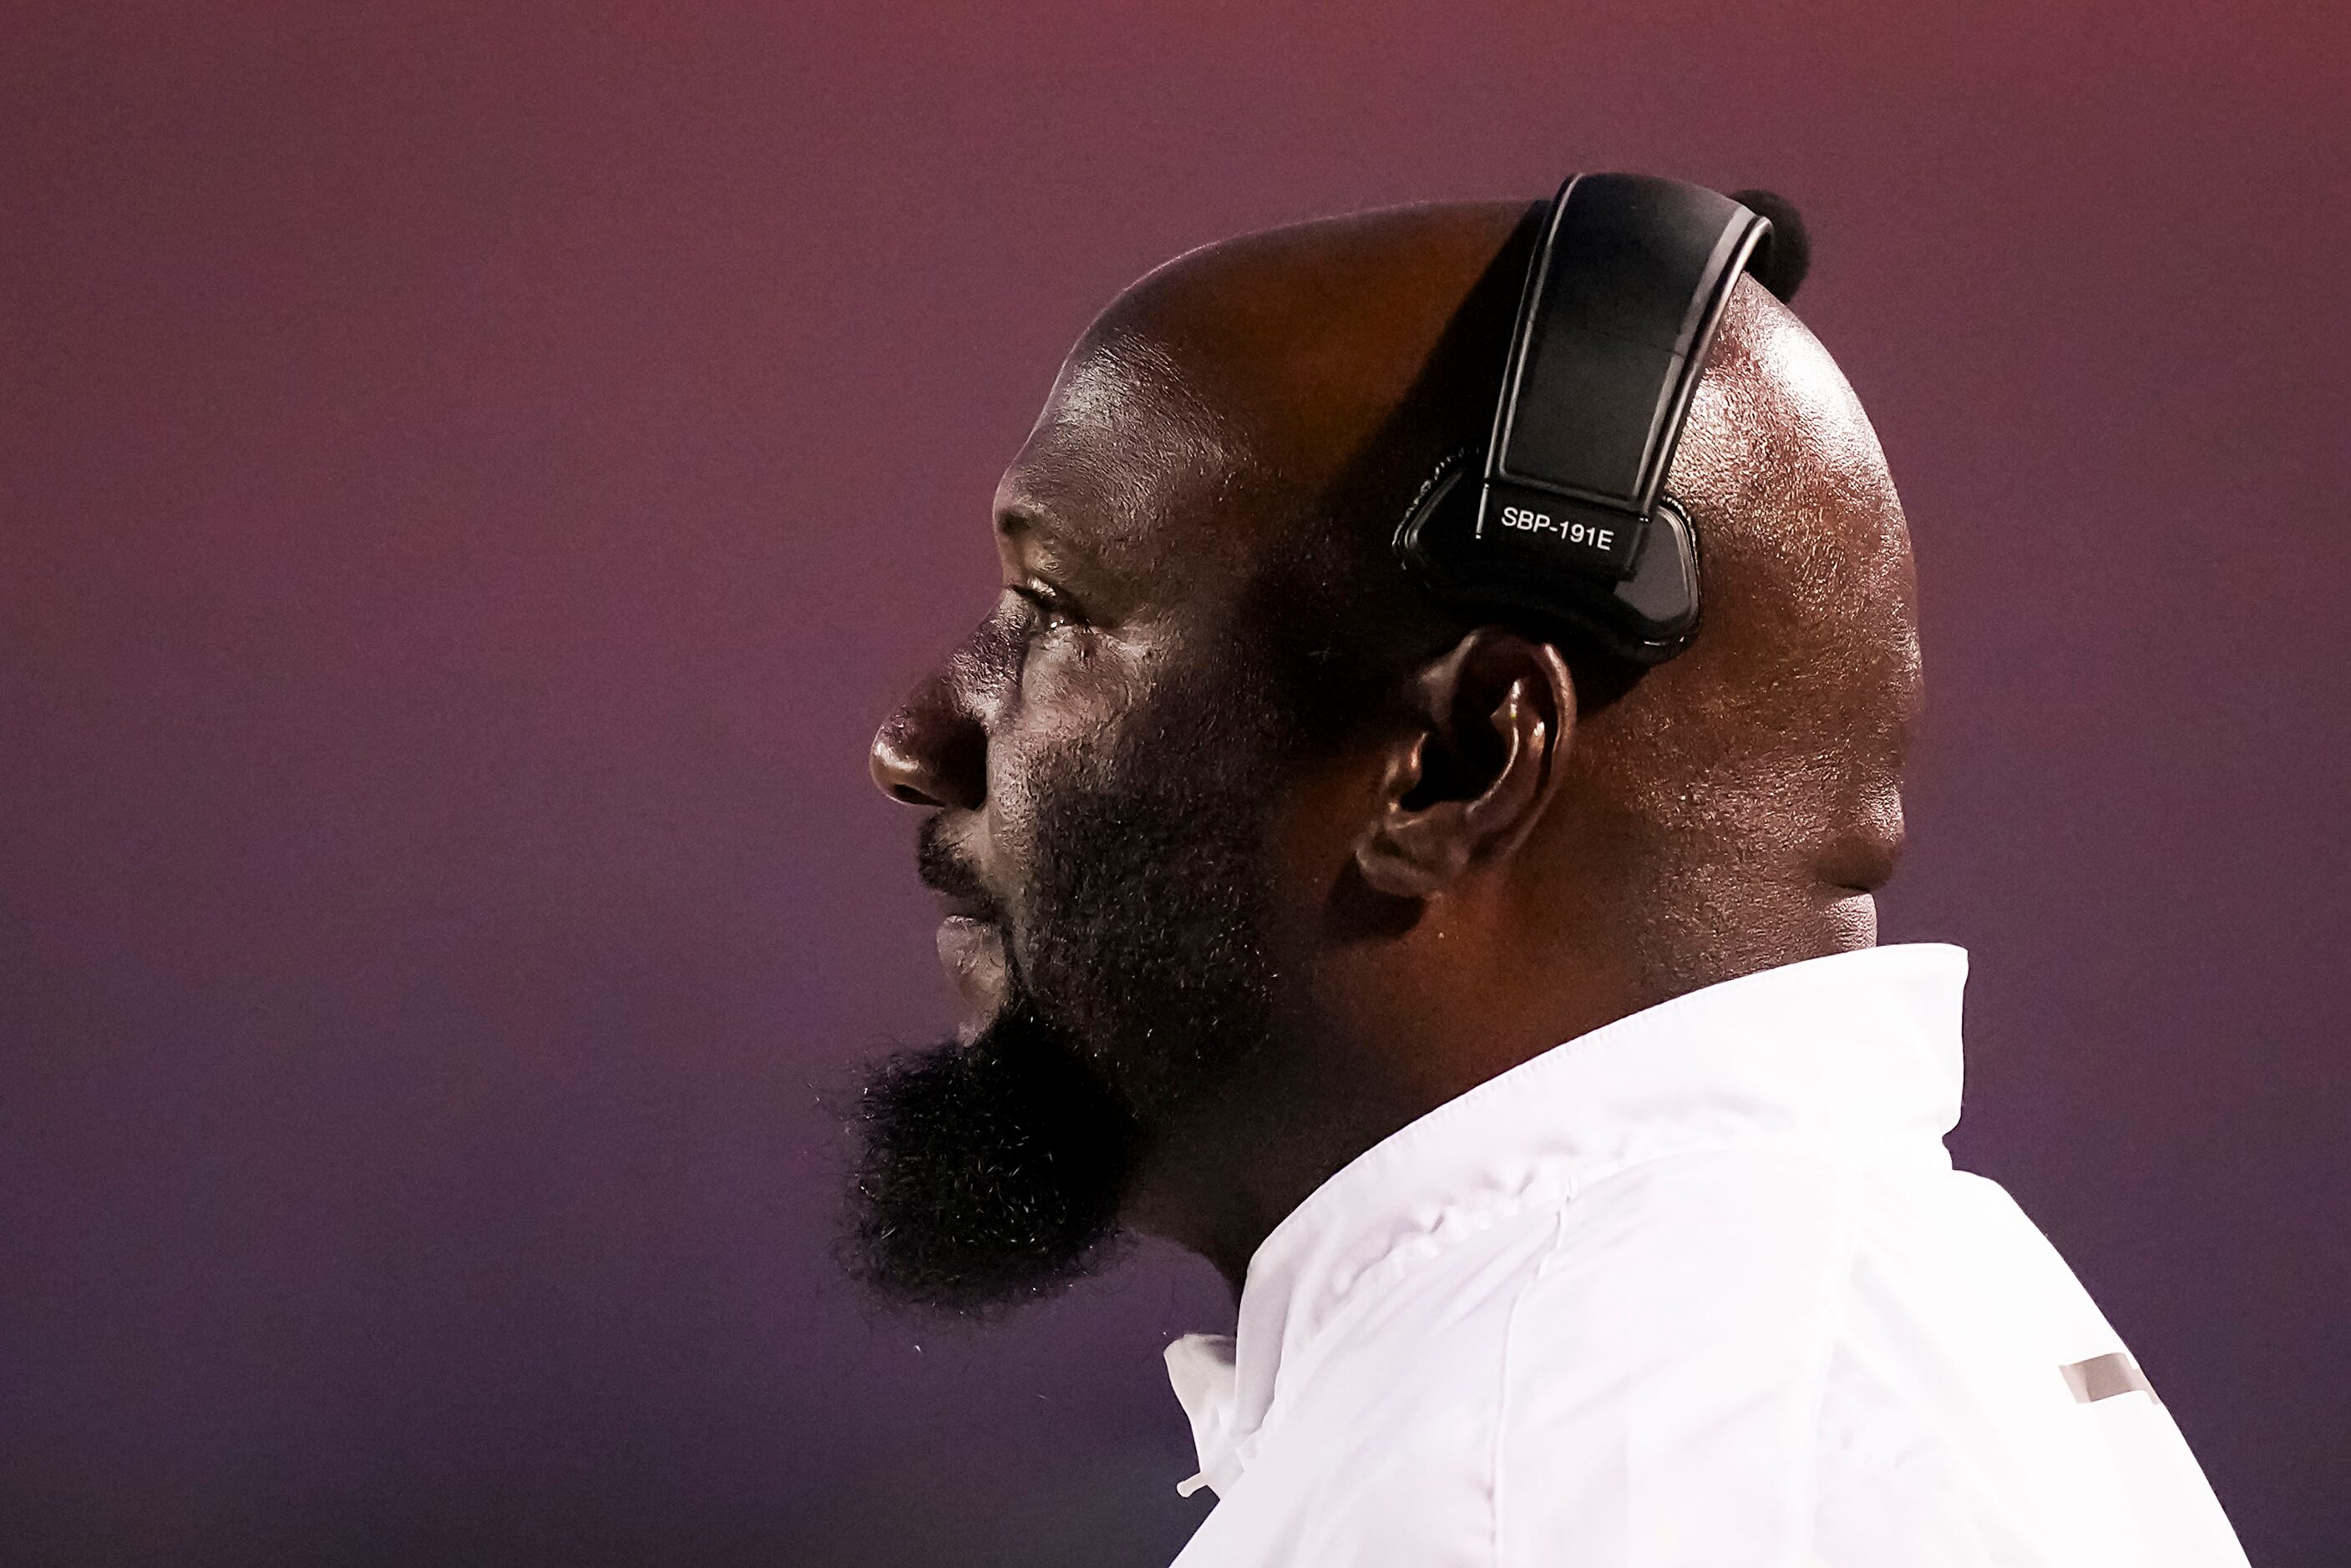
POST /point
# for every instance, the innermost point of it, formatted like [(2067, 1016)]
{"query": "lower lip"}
[(972, 952)]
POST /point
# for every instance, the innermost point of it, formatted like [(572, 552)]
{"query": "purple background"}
[(471, 478)]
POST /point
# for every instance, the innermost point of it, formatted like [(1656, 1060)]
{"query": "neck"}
[(1217, 1179), (1401, 1029)]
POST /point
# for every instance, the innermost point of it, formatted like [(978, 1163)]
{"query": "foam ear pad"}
[(1781, 261)]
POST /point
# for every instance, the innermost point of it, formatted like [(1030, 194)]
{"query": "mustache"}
[(941, 870)]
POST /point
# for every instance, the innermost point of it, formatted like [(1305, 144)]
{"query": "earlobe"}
[(1477, 767)]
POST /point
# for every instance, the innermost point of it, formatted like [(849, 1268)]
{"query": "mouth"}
[(966, 907), (971, 950), (971, 933)]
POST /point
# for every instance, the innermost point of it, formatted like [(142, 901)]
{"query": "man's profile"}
[(1501, 1016)]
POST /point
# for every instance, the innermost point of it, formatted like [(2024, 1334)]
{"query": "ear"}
[(1490, 723)]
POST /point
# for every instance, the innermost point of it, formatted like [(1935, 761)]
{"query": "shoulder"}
[(1741, 1357), (1652, 1345), (1669, 1361), (1723, 1269)]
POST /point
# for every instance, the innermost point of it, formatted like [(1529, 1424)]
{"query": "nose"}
[(932, 752)]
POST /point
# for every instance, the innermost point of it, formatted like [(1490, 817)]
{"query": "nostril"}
[(930, 756), (896, 771), (932, 752)]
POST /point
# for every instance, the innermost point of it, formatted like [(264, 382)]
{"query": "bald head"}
[(1332, 365), (1289, 853)]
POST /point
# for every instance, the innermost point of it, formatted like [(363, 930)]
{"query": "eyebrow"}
[(1026, 511), (1023, 521), (1041, 537)]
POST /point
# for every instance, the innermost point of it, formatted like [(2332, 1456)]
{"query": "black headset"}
[(1569, 521)]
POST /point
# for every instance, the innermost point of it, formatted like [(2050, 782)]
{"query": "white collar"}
[(1858, 1047)]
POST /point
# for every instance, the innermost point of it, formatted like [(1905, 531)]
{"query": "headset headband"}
[(1569, 522)]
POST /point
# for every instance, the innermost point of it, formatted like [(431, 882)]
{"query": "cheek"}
[(1311, 851), (1055, 738)]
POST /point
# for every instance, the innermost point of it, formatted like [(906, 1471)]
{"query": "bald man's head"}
[(1345, 360), (1253, 851)]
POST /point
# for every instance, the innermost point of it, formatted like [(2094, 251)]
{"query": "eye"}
[(1051, 607)]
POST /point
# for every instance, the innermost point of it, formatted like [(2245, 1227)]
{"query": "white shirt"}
[(1698, 1290)]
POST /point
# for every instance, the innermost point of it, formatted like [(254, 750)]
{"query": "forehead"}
[(1136, 463)]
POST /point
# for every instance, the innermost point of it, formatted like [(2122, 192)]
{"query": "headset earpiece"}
[(1563, 519)]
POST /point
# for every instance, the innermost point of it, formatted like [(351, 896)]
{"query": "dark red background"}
[(471, 477)]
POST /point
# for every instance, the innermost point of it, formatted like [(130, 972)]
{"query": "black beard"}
[(993, 1173), (990, 1173)]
